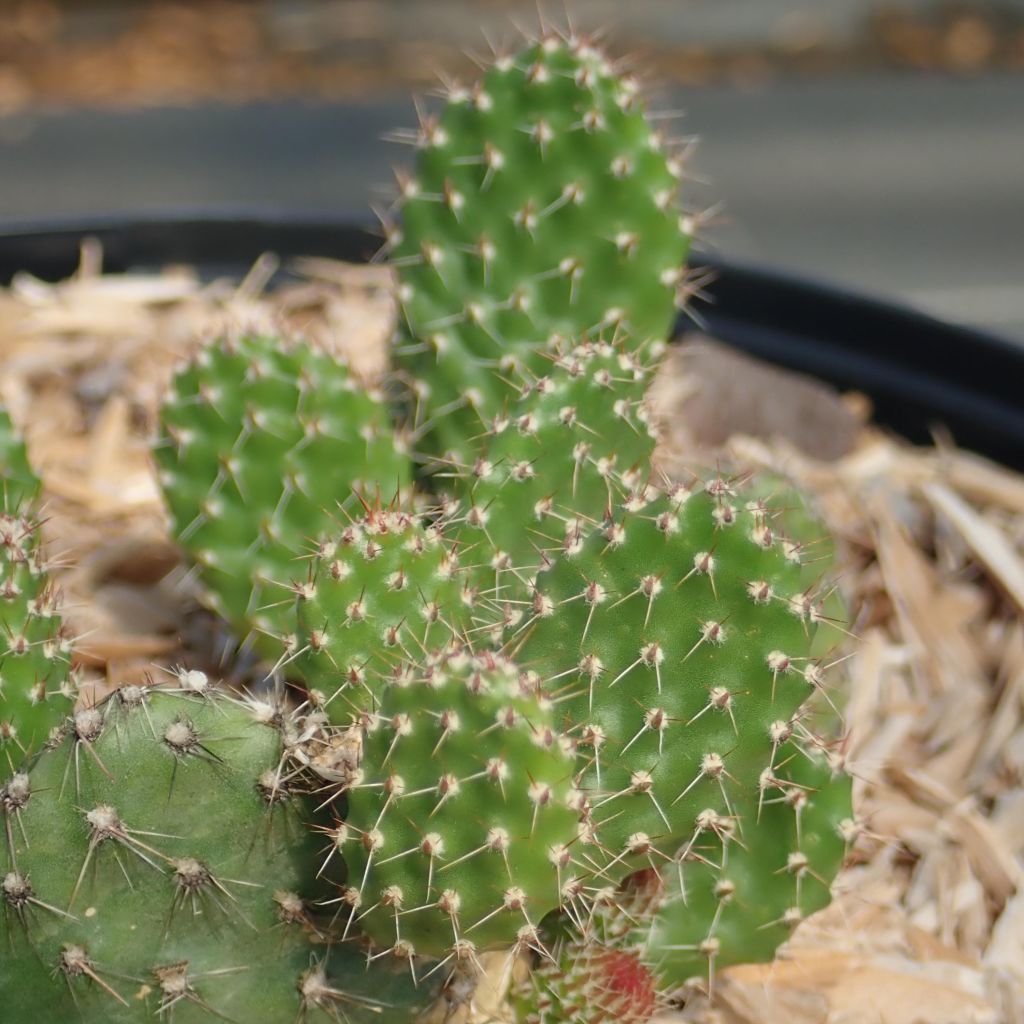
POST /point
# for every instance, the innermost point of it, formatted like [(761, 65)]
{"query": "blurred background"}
[(875, 143)]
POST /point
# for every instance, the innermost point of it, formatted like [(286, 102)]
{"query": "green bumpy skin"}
[(676, 644), (543, 206), (20, 484), (383, 588), (262, 441), (752, 873), (37, 687), (462, 822), (158, 864), (554, 463)]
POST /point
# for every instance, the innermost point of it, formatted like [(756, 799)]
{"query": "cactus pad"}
[(675, 642), (262, 441), (743, 883), (554, 463), (542, 206), (157, 865), (461, 825)]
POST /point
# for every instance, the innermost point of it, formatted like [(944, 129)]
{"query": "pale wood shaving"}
[(928, 923)]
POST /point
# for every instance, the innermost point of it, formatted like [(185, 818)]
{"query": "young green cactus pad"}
[(743, 882), (588, 983), (262, 441), (550, 464), (461, 825), (36, 684), (542, 205), (158, 864), (383, 588), (675, 642)]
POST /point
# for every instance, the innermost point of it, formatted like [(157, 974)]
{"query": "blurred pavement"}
[(910, 186)]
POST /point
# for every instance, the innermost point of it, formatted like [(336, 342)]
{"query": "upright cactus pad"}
[(461, 826), (158, 865), (744, 882), (554, 463), (542, 206), (262, 441), (676, 644), (383, 589), (36, 684)]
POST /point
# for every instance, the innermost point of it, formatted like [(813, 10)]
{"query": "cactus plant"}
[(36, 682), (263, 440), (560, 711), (542, 206), (461, 823)]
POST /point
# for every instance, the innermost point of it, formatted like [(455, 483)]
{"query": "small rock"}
[(708, 392)]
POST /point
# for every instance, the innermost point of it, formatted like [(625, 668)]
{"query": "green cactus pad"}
[(745, 881), (36, 683), (461, 825), (555, 462), (676, 644), (262, 441), (158, 865), (383, 588), (542, 206)]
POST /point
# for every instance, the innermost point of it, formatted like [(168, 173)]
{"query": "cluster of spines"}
[(588, 982)]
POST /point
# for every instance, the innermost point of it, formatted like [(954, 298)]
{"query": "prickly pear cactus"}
[(461, 826), (554, 463), (747, 878), (262, 441), (542, 205), (36, 683), (384, 587), (675, 643), (588, 982), (158, 864)]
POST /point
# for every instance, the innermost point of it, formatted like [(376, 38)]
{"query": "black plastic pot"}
[(921, 373)]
